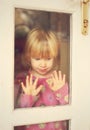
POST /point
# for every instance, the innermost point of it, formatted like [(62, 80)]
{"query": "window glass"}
[(54, 88), (57, 125)]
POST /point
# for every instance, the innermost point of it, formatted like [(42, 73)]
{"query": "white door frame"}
[(77, 110)]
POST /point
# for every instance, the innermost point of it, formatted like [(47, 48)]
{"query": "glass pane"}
[(57, 125), (45, 56)]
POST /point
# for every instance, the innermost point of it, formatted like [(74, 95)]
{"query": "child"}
[(44, 84)]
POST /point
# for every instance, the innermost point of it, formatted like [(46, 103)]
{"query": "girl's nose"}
[(43, 63)]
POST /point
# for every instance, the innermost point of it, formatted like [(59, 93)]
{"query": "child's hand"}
[(30, 88), (58, 80)]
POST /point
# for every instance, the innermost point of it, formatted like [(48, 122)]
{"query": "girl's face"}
[(41, 66)]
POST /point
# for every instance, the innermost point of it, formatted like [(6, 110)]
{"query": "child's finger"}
[(31, 79), (55, 75), (64, 78), (60, 75), (35, 83), (27, 81), (23, 87), (39, 89), (53, 79)]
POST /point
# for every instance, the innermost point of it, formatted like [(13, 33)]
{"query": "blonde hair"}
[(42, 43)]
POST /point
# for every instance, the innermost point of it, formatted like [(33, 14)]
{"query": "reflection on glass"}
[(57, 125), (41, 58)]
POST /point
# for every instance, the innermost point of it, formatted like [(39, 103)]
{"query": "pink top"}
[(46, 97)]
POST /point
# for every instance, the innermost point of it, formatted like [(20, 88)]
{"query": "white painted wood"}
[(78, 110)]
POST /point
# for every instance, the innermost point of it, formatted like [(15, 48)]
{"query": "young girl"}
[(44, 84)]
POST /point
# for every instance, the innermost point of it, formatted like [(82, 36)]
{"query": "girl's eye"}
[(37, 58), (48, 58)]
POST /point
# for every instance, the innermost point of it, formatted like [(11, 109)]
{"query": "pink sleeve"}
[(62, 95), (26, 101)]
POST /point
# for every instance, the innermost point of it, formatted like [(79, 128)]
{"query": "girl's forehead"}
[(42, 56)]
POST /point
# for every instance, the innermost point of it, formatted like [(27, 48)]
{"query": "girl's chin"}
[(42, 74)]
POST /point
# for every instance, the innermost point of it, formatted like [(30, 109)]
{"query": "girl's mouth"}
[(43, 70)]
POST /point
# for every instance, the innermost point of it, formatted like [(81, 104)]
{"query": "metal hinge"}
[(85, 10)]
